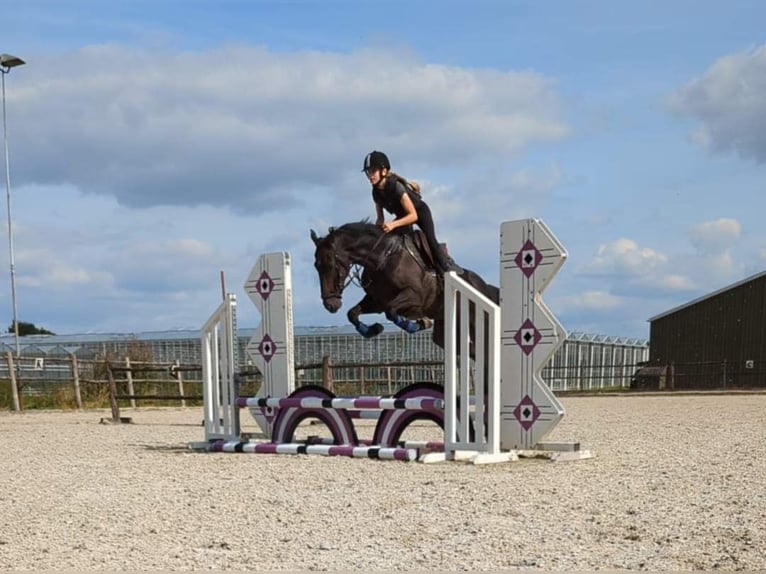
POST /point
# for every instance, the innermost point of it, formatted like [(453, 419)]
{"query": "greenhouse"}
[(584, 361)]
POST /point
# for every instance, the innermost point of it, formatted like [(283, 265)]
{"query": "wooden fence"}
[(93, 382), (127, 382)]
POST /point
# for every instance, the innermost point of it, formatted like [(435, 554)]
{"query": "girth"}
[(416, 245)]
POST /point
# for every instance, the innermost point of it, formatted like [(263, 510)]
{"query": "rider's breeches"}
[(426, 223)]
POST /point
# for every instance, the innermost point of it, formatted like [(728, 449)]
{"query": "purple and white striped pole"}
[(341, 403), (419, 445), (373, 452)]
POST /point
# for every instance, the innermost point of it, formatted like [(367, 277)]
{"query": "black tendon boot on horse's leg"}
[(366, 305)]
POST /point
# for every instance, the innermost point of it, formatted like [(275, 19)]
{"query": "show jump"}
[(494, 405)]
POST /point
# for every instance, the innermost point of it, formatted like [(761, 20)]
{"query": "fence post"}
[(14, 384), (129, 376), (76, 382), (361, 380), (388, 376), (180, 378), (724, 373), (327, 382), (672, 376), (113, 395)]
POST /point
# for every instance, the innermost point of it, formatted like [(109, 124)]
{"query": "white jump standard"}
[(494, 405)]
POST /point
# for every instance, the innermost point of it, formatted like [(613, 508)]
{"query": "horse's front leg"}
[(365, 306)]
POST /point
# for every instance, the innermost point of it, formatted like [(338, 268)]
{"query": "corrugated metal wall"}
[(716, 342)]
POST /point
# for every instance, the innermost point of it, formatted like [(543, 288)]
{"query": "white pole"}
[(6, 68)]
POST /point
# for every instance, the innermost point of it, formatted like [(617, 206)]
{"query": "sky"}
[(155, 144)]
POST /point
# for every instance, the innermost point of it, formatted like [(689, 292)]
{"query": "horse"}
[(395, 281)]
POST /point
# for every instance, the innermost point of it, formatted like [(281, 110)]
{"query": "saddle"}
[(416, 244)]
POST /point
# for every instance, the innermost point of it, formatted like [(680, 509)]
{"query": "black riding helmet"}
[(376, 160)]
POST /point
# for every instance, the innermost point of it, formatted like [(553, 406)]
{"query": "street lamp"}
[(6, 63)]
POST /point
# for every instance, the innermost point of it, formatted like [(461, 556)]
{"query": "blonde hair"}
[(413, 185)]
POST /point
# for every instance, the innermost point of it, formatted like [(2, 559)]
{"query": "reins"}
[(356, 269)]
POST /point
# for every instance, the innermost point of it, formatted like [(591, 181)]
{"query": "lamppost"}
[(6, 63)]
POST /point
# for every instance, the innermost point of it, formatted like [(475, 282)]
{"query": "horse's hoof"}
[(425, 323), (369, 331), (375, 330)]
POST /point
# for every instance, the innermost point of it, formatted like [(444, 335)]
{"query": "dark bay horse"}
[(394, 282)]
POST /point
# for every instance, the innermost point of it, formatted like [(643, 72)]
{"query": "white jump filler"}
[(530, 256), (269, 286)]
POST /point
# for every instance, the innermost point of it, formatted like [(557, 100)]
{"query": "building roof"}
[(708, 296)]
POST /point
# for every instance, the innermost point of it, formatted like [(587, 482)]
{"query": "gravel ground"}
[(677, 484)]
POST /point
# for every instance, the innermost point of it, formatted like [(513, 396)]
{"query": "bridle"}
[(355, 276), (353, 272), (341, 284)]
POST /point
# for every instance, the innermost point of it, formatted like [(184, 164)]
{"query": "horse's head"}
[(333, 266)]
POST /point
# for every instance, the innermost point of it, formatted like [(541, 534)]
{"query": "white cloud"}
[(468, 212), (728, 100), (593, 301), (55, 271), (628, 268), (624, 256), (156, 177), (629, 274), (60, 274), (257, 130), (675, 282), (191, 248), (638, 273), (721, 265), (713, 261), (222, 155), (715, 236)]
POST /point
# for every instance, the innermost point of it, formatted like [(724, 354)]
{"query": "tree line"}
[(29, 329)]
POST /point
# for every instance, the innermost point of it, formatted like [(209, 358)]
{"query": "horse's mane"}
[(361, 228), (365, 230)]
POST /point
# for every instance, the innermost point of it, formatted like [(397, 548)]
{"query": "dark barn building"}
[(717, 341)]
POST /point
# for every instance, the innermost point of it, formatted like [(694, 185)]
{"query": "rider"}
[(402, 199)]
